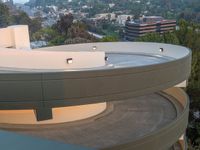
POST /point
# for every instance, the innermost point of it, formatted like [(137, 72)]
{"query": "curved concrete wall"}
[(45, 90), (169, 50), (54, 89), (166, 136)]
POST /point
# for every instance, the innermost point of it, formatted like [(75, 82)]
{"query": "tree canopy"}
[(4, 15), (18, 18), (65, 31)]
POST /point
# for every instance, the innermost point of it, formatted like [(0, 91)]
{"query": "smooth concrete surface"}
[(15, 36), (169, 50), (11, 141), (143, 123), (20, 35), (6, 41), (15, 59), (133, 69), (125, 60), (60, 88), (59, 115)]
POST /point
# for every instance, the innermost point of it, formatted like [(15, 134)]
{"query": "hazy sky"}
[(20, 1)]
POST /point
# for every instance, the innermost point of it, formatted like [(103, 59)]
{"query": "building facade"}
[(145, 25)]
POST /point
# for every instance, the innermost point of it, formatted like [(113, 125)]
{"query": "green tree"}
[(64, 24), (77, 40), (182, 31), (46, 34), (152, 37), (58, 40), (194, 81), (109, 39), (21, 18), (171, 38), (4, 15)]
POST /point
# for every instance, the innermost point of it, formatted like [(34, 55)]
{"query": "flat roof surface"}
[(115, 60), (120, 55), (122, 122), (121, 60)]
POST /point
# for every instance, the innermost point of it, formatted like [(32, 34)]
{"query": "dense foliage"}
[(188, 35), (4, 15), (187, 9), (65, 31), (17, 17), (104, 27), (168, 37)]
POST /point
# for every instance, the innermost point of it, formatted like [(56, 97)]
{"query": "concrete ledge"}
[(50, 89), (57, 89)]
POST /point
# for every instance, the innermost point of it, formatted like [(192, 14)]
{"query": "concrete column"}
[(20, 34), (43, 113)]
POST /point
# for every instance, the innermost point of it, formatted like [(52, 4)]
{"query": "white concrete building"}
[(110, 16), (97, 96), (15, 37)]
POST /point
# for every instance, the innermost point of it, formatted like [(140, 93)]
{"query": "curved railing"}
[(45, 89), (24, 90)]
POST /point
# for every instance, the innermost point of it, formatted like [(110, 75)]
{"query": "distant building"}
[(137, 28), (8, 2), (121, 19), (111, 5), (30, 12), (107, 16)]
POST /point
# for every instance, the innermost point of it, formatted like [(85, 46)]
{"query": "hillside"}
[(187, 9)]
